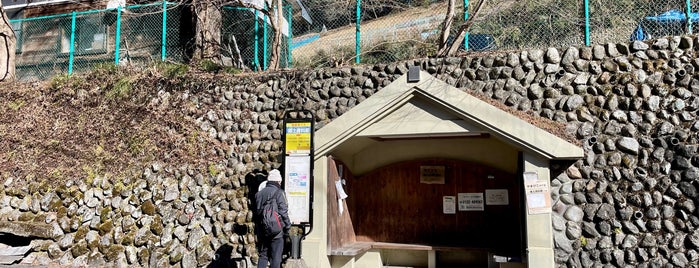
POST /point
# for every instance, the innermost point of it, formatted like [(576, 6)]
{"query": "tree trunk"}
[(446, 26), (451, 49), (7, 48), (208, 31), (276, 22)]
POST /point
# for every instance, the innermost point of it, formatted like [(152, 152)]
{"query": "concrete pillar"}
[(314, 247), (539, 228)]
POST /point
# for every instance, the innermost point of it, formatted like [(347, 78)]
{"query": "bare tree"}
[(209, 20), (449, 48), (7, 48)]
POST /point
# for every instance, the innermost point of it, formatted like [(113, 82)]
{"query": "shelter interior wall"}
[(487, 151), (392, 205)]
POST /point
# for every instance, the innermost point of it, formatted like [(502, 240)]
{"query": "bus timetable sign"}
[(298, 138), (298, 168)]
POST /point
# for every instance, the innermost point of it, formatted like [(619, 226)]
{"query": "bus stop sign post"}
[(298, 173)]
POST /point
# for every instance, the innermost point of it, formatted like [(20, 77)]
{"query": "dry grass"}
[(104, 123), (556, 128)]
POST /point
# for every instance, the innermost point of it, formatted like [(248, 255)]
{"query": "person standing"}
[(270, 248)]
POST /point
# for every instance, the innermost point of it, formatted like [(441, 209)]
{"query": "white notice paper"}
[(536, 200), (471, 202), (538, 193), (449, 205), (496, 197), (340, 192)]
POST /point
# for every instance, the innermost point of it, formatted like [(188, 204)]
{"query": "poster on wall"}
[(449, 204), (537, 193), (297, 186), (471, 202), (497, 197)]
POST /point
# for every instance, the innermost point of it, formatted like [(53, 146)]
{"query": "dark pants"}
[(271, 251)]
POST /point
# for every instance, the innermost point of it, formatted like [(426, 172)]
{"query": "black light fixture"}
[(413, 74)]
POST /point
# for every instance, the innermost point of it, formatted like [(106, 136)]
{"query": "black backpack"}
[(271, 221)]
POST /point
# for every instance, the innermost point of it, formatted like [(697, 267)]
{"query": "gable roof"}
[(457, 113)]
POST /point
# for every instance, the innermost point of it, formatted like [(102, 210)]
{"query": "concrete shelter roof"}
[(431, 108)]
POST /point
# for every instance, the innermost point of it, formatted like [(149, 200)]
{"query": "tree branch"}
[(461, 33)]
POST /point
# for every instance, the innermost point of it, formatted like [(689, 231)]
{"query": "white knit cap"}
[(274, 175)]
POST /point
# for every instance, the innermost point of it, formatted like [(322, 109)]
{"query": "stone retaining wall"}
[(630, 202)]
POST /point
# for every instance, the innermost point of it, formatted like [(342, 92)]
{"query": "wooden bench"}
[(357, 248), (385, 245), (352, 249), (431, 250)]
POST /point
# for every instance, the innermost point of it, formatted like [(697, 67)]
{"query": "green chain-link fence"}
[(333, 32), (75, 42), (246, 38), (390, 30)]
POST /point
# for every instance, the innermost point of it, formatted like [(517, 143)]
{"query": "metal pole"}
[(163, 49), (72, 44), (466, 18), (358, 31), (288, 56), (587, 23), (257, 41), (689, 16), (264, 44), (117, 37)]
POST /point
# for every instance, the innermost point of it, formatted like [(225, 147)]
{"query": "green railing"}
[(333, 32), (246, 38), (357, 31), (68, 43)]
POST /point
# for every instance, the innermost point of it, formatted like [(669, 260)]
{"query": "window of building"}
[(17, 27), (90, 36)]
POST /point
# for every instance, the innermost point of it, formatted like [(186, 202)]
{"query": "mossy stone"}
[(44, 187), (94, 244), (57, 206), (79, 249), (104, 214), (26, 216), (106, 227), (148, 208), (113, 253), (116, 189), (157, 226), (81, 233), (158, 196), (143, 256), (40, 218), (128, 238), (62, 191), (176, 256)]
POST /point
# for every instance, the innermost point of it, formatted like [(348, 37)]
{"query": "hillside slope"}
[(106, 122)]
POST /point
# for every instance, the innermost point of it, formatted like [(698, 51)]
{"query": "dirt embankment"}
[(108, 122)]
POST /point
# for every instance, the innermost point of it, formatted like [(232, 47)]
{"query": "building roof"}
[(432, 108)]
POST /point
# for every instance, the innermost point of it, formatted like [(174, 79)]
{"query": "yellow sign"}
[(298, 138)]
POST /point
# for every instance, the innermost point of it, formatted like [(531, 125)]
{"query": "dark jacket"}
[(273, 190)]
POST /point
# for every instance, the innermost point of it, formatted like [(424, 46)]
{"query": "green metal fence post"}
[(288, 56), (72, 43), (257, 40), (163, 44), (264, 43), (466, 18), (357, 32), (117, 36), (689, 18), (587, 23)]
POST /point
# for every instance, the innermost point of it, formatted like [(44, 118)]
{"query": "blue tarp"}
[(669, 17)]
